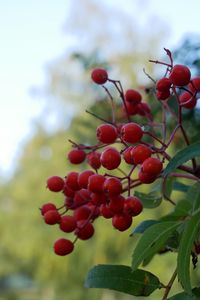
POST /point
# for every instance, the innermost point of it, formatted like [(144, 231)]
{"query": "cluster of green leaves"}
[(175, 232)]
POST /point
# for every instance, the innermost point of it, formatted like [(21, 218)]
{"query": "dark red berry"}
[(139, 153), (133, 96), (130, 108), (152, 166), (67, 223), (122, 221), (194, 84), (110, 158), (99, 76), (143, 109), (82, 213), (81, 197), (63, 247), (163, 95), (55, 183), (187, 100), (95, 183), (180, 75), (83, 178), (106, 133), (163, 84), (76, 156), (133, 206), (72, 181), (52, 217), (131, 133), (146, 177), (112, 186), (84, 230), (106, 212), (46, 207), (128, 156), (116, 204), (98, 199), (93, 160)]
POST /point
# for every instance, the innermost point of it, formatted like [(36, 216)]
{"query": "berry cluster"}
[(96, 192)]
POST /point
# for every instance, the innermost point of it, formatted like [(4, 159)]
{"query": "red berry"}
[(83, 178), (106, 212), (52, 217), (143, 109), (130, 108), (112, 186), (139, 153), (116, 204), (98, 199), (106, 133), (67, 191), (187, 100), (122, 221), (133, 206), (63, 247), (46, 207), (55, 183), (133, 96), (163, 95), (146, 177), (95, 183), (99, 76), (81, 197), (128, 156), (93, 160), (110, 158), (152, 166), (82, 213), (131, 133), (67, 223), (163, 84), (197, 248), (76, 156), (84, 230), (180, 75), (194, 85), (72, 181)]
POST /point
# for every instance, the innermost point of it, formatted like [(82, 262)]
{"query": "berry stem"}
[(112, 104), (169, 285)]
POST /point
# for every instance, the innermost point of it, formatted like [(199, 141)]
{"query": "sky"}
[(32, 34)]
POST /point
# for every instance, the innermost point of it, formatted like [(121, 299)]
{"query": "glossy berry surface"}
[(52, 217), (110, 158), (76, 156), (152, 166), (93, 160), (106, 133), (99, 76), (180, 75), (187, 100), (122, 221), (131, 133), (63, 247), (133, 96), (139, 153), (55, 183), (133, 206), (112, 186), (67, 223)]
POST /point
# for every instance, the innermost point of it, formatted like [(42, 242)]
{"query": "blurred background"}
[(48, 49)]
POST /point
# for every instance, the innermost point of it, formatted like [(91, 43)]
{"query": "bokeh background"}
[(48, 49)]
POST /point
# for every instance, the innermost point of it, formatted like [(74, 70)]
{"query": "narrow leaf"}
[(143, 226), (181, 157), (180, 187), (121, 278), (186, 244), (150, 200), (152, 240), (181, 210), (194, 196)]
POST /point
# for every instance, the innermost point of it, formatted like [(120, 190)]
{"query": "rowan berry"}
[(63, 247), (76, 156), (146, 177), (72, 181), (52, 217), (143, 109), (67, 191), (130, 108), (187, 100), (82, 213), (133, 96), (110, 158), (46, 207), (95, 183), (127, 155), (180, 75), (112, 186), (133, 206), (152, 166), (163, 84), (93, 160), (81, 197), (139, 153), (162, 95), (106, 212), (116, 204), (55, 183), (99, 76), (197, 248), (121, 221), (98, 199), (85, 230), (131, 133), (83, 178), (106, 133), (67, 223), (194, 84)]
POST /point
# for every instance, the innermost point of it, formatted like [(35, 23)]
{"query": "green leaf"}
[(184, 296), (186, 244), (181, 157), (180, 187), (181, 210), (150, 200), (143, 226), (169, 186), (152, 240), (194, 196), (121, 278)]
